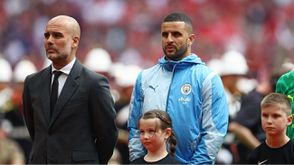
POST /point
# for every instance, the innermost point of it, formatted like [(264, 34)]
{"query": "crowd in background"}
[(129, 29), (129, 33)]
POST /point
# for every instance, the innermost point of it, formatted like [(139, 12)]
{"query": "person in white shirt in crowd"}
[(5, 84), (232, 67)]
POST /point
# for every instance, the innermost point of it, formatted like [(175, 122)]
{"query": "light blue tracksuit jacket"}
[(194, 98)]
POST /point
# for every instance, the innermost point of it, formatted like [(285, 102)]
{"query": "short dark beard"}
[(180, 54)]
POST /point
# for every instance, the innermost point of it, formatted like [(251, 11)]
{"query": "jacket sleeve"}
[(214, 120), (136, 148), (27, 109), (103, 119)]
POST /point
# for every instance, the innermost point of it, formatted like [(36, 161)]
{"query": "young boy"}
[(275, 118)]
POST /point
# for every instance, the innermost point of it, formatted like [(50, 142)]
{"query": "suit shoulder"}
[(35, 76), (93, 75)]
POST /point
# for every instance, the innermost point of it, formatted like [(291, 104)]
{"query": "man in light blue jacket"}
[(187, 90)]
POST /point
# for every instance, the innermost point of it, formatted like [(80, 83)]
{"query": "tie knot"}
[(57, 73)]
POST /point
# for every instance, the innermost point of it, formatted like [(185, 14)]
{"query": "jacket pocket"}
[(85, 157)]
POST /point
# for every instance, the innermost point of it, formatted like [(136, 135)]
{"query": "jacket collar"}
[(169, 65)]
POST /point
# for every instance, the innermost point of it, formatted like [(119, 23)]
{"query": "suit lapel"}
[(45, 94), (69, 88)]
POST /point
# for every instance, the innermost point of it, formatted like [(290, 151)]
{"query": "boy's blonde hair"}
[(277, 99)]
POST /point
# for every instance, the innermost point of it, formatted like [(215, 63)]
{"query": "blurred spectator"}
[(10, 152), (125, 78), (14, 114), (6, 91), (99, 61), (5, 85), (232, 66), (261, 29)]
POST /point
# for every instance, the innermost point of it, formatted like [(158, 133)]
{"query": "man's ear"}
[(192, 38), (75, 41)]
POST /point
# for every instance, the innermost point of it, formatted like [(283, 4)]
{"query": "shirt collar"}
[(66, 69)]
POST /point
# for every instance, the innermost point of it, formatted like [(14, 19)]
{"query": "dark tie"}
[(54, 91)]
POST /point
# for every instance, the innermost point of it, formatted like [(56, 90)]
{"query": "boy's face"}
[(275, 120)]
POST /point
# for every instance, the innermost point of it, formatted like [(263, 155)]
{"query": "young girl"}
[(155, 131)]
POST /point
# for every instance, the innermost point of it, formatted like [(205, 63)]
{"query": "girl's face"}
[(152, 137)]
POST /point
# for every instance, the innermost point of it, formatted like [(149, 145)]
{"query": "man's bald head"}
[(61, 40), (69, 22)]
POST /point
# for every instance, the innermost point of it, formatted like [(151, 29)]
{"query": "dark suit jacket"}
[(82, 128)]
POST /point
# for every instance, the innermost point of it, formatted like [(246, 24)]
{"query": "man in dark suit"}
[(79, 127)]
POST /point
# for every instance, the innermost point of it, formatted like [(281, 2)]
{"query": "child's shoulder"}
[(169, 159), (138, 161), (291, 143)]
